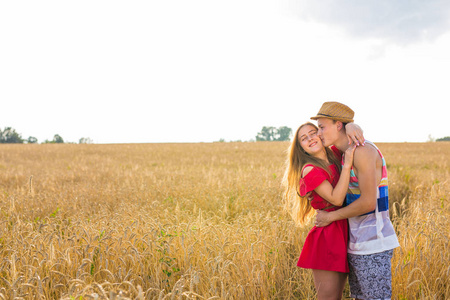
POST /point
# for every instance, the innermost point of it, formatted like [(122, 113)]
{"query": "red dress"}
[(325, 248)]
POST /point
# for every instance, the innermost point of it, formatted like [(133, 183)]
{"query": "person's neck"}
[(342, 143), (322, 155)]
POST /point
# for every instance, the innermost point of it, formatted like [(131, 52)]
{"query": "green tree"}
[(57, 139), (10, 136), (266, 134), (444, 139), (274, 134), (32, 140), (85, 141), (284, 133)]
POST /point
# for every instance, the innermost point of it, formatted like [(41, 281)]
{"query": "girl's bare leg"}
[(329, 284)]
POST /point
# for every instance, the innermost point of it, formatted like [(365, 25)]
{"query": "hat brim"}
[(343, 120)]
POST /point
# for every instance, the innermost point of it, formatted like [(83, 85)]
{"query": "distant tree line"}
[(444, 139), (274, 134), (269, 133), (10, 136)]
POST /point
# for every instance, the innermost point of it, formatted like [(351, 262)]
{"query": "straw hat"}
[(335, 111)]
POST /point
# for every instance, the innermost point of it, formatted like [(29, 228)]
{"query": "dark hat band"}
[(336, 118), (326, 115)]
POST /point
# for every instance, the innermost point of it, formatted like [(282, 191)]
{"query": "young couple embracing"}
[(332, 170)]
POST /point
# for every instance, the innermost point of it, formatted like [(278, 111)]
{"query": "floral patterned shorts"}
[(370, 275)]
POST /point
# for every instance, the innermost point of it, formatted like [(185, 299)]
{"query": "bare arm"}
[(354, 134), (337, 194), (365, 164)]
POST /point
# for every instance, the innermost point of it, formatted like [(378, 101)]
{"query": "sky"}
[(204, 70)]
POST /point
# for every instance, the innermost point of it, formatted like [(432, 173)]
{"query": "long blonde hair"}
[(300, 207)]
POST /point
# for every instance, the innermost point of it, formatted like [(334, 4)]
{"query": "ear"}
[(339, 125)]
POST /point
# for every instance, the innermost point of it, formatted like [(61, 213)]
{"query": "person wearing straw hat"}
[(371, 235)]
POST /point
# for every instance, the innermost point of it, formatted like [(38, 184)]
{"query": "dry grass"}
[(192, 221)]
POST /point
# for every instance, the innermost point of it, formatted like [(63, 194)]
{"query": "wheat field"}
[(193, 221)]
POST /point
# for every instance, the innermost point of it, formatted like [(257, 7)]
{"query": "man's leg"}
[(370, 275)]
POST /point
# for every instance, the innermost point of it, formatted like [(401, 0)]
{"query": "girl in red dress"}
[(314, 180)]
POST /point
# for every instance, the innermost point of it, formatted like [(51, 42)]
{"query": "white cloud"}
[(397, 21)]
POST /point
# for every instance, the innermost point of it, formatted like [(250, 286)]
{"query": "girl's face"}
[(309, 140)]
